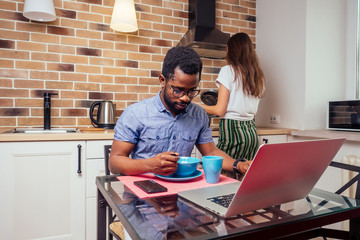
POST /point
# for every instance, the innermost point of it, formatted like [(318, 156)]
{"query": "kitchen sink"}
[(41, 130)]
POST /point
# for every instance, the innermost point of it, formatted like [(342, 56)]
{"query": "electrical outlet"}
[(275, 118)]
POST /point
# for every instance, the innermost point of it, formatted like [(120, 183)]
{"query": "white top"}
[(241, 106)]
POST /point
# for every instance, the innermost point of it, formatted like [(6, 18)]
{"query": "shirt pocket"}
[(187, 143), (156, 140)]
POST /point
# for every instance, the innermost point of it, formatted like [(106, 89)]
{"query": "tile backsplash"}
[(81, 59)]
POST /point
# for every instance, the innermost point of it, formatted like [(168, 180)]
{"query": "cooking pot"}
[(105, 114)]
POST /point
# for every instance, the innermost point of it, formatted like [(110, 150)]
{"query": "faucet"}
[(47, 109)]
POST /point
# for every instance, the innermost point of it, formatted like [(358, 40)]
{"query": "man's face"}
[(179, 81)]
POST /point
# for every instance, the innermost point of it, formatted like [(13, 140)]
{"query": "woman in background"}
[(241, 84)]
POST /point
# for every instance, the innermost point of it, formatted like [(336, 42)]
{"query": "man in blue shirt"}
[(156, 131)]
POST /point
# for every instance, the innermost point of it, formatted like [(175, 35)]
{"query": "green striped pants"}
[(238, 139)]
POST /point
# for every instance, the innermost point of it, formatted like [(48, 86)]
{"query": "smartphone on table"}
[(150, 186)]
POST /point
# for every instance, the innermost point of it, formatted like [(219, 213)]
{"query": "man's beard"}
[(171, 105)]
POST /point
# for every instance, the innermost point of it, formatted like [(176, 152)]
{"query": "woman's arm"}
[(220, 108)]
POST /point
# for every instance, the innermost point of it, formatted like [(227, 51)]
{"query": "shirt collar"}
[(159, 104)]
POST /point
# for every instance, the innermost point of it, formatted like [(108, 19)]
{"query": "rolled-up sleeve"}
[(126, 127)]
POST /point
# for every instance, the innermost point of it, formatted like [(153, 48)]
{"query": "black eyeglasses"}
[(191, 93)]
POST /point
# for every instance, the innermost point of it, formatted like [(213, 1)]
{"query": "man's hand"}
[(164, 163)]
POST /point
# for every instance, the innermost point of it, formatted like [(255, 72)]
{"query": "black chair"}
[(107, 150), (115, 227)]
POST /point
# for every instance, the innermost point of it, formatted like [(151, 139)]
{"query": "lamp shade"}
[(124, 16), (39, 10)]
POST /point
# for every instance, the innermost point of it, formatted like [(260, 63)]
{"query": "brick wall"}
[(81, 59)]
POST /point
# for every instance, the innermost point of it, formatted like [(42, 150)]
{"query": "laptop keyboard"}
[(223, 200)]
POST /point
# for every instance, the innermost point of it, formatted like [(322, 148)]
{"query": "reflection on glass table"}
[(172, 218)]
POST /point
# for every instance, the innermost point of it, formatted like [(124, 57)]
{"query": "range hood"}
[(202, 35)]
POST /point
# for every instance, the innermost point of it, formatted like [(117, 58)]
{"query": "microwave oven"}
[(344, 115)]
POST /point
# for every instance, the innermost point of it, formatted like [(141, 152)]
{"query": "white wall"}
[(325, 59), (280, 45), (350, 61), (301, 47)]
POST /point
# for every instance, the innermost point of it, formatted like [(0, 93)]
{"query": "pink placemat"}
[(173, 187)]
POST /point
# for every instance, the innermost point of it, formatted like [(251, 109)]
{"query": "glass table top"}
[(170, 217)]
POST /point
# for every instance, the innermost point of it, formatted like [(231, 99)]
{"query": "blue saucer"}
[(174, 178)]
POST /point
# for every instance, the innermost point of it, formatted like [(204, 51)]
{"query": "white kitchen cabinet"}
[(216, 140), (95, 166), (42, 193)]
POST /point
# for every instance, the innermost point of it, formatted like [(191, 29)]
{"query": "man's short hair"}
[(183, 57)]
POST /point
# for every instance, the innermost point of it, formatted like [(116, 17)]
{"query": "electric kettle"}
[(105, 114)]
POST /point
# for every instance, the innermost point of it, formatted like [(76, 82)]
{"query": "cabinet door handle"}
[(79, 158)]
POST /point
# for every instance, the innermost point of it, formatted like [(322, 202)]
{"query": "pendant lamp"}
[(39, 10), (124, 16)]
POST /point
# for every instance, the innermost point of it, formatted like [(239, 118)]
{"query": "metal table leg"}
[(101, 216)]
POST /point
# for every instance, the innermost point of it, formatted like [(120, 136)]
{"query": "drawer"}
[(95, 149)]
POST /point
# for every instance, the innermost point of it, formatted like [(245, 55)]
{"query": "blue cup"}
[(212, 166), (186, 166)]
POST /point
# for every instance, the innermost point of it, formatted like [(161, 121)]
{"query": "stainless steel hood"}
[(202, 35)]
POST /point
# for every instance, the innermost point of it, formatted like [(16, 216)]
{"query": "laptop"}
[(279, 173)]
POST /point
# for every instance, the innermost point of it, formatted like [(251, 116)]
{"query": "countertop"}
[(324, 133), (97, 134)]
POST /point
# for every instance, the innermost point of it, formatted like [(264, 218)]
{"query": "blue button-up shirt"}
[(154, 130)]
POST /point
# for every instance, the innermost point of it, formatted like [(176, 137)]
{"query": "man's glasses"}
[(191, 93)]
